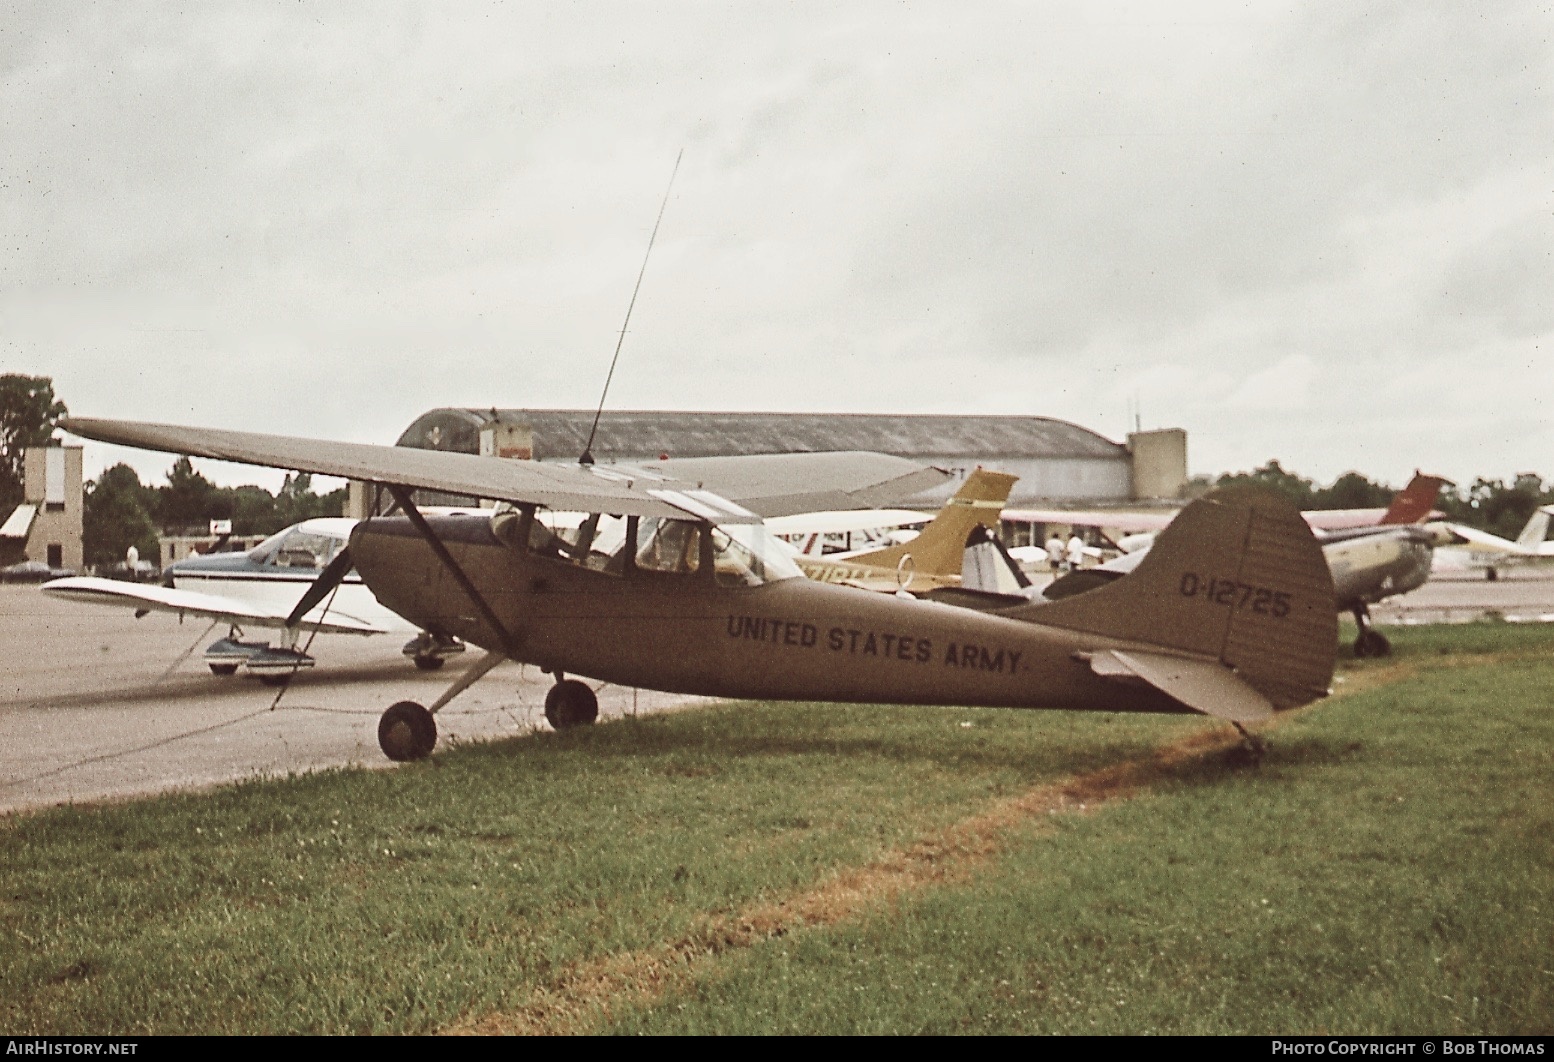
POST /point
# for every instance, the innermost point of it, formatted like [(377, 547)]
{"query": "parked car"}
[(32, 572)]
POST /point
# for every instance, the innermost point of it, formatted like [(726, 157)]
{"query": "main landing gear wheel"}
[(223, 669), (427, 663), (570, 703), (407, 732), (275, 682), (1372, 643)]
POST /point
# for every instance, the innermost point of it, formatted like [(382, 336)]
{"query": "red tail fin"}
[(1416, 501)]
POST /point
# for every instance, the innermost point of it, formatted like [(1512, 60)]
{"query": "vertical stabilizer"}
[(939, 549), (1536, 531), (1237, 577), (1416, 501)]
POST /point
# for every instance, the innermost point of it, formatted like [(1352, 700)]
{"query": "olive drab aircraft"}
[(674, 584)]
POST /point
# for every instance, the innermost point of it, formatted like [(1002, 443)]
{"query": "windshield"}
[(296, 548), (750, 555)]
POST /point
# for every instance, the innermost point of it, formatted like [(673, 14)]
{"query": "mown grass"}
[(1389, 869), (1399, 836), (405, 900)]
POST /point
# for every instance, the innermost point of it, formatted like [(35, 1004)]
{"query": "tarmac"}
[(97, 705)]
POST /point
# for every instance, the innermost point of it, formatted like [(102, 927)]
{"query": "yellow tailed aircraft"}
[(936, 557)]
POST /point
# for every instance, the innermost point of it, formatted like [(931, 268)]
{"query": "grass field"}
[(819, 868)]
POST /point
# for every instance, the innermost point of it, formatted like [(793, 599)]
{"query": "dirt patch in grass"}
[(584, 994)]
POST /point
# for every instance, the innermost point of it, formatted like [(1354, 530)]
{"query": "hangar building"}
[(1057, 462)]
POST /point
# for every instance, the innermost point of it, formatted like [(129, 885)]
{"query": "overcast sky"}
[(1317, 232)]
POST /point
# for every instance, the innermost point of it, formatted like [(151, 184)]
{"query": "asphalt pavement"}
[(95, 704)]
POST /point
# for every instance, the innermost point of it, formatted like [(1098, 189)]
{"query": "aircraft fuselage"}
[(791, 639)]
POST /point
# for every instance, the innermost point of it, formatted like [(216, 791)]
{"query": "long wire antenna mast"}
[(587, 457)]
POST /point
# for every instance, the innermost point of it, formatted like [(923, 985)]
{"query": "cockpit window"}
[(295, 548), (589, 540), (742, 554), (750, 555), (672, 546)]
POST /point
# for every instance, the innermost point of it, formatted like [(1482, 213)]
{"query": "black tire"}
[(427, 663), (1372, 644), (407, 732), (223, 669), (570, 703), (1491, 574), (276, 681)]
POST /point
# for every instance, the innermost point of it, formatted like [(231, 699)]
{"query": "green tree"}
[(1501, 508), (1352, 491), (29, 415), (188, 498), (1272, 476), (116, 515)]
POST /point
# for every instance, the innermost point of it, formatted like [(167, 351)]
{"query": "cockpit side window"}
[(295, 548), (595, 541), (669, 546)]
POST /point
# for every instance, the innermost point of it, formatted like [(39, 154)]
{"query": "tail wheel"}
[(570, 703), (407, 732), (1372, 643)]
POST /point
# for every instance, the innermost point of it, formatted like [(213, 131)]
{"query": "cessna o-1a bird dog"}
[(675, 585)]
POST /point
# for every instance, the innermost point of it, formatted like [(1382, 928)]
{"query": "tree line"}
[(1491, 505), (121, 511)]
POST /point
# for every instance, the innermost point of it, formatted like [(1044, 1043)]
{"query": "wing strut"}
[(402, 496)]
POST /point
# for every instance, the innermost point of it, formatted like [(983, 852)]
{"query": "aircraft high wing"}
[(725, 489), (673, 587)]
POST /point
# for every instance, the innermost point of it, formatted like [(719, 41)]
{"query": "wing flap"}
[(1205, 686), (97, 591)]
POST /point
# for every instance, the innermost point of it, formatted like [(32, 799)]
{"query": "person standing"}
[(1055, 553), (1076, 552)]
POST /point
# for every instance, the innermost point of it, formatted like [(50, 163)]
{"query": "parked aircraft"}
[(261, 587), (1471, 548), (933, 558), (1230, 614)]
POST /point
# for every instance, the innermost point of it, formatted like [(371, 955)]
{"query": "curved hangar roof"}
[(559, 434)]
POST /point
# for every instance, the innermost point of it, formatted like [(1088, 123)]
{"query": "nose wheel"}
[(570, 703), (407, 732)]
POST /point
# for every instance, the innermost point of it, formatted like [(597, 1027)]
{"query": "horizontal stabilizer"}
[(1205, 686), (96, 591)]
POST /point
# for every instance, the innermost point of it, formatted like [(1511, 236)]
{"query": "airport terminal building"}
[(1057, 462)]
